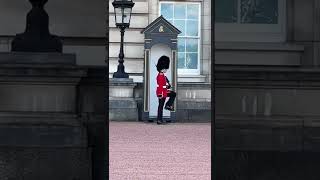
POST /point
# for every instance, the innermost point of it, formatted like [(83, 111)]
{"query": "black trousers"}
[(172, 96)]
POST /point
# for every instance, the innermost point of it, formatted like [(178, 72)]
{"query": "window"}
[(186, 17), (250, 20)]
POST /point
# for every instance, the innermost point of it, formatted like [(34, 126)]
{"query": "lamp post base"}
[(122, 104), (120, 75)]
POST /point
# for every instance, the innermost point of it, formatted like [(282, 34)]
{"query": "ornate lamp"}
[(122, 10)]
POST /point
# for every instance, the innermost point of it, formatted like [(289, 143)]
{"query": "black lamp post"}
[(122, 9)]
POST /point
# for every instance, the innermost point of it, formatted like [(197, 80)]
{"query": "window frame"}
[(254, 32), (199, 38)]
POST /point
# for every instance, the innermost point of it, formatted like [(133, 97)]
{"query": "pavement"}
[(146, 151)]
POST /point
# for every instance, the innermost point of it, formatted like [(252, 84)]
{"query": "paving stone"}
[(146, 151)]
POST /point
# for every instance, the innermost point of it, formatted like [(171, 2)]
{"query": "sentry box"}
[(160, 38)]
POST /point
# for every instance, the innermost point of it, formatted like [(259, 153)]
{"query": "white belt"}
[(162, 86)]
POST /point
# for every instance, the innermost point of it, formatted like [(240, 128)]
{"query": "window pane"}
[(259, 11), (192, 45), (180, 11), (193, 11), (192, 61), (118, 12), (192, 28), (180, 24), (186, 18), (126, 15), (181, 60), (226, 11), (167, 10), (181, 45)]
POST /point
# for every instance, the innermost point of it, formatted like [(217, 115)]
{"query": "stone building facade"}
[(191, 17), (267, 88)]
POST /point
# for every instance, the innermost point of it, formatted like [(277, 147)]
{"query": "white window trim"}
[(189, 71), (254, 32)]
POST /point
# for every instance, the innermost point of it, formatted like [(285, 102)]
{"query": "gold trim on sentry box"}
[(146, 80), (174, 79)]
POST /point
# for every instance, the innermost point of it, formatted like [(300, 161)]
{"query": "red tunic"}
[(161, 85)]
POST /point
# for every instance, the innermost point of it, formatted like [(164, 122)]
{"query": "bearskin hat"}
[(163, 63)]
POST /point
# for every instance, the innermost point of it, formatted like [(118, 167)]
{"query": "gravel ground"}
[(143, 151)]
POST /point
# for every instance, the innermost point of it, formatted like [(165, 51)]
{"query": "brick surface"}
[(139, 151)]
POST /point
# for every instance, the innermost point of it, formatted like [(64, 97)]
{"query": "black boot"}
[(169, 104), (169, 108)]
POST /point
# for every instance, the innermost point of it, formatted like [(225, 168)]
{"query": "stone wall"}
[(52, 112), (267, 122)]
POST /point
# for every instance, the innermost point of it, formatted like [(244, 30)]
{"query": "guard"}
[(163, 88)]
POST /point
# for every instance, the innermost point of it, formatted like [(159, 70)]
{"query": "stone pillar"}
[(92, 92), (122, 105), (206, 58), (153, 10), (305, 29)]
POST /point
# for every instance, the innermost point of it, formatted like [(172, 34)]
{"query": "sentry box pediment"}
[(160, 38), (160, 26), (161, 31)]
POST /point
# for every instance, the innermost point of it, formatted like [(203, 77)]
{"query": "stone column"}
[(206, 58)]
